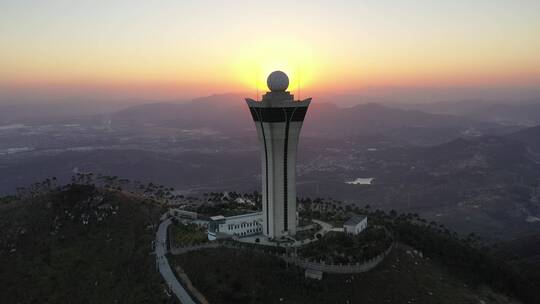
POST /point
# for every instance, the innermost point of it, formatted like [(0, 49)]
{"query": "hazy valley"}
[(473, 175)]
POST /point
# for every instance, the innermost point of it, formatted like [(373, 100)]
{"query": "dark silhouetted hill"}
[(529, 136), (78, 245)]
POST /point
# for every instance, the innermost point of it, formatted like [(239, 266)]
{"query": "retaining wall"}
[(181, 250), (338, 268), (303, 263)]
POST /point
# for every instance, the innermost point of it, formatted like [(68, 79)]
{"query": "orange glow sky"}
[(170, 49)]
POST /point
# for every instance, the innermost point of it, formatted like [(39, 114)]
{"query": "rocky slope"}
[(78, 245)]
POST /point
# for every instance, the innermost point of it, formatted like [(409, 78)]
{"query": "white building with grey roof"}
[(355, 225), (238, 225)]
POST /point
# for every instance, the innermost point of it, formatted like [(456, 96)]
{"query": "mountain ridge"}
[(228, 114)]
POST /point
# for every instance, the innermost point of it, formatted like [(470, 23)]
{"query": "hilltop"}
[(87, 244)]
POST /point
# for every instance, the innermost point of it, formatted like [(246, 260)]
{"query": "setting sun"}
[(138, 49), (254, 63)]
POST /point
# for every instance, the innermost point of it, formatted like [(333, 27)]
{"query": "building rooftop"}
[(355, 220), (244, 215), (217, 218), (313, 274)]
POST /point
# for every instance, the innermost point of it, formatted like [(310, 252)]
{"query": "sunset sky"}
[(178, 49)]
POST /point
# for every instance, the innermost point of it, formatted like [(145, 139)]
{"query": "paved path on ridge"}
[(164, 267), (325, 227)]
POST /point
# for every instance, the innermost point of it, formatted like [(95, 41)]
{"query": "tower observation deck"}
[(278, 119)]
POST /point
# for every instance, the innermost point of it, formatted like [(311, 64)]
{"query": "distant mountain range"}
[(54, 111), (525, 113), (229, 115)]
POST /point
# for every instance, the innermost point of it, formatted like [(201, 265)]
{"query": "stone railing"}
[(181, 250), (338, 268), (300, 262)]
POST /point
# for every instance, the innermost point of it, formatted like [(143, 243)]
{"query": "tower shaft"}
[(278, 119)]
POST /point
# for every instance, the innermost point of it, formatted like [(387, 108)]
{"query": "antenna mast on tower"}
[(257, 82), (299, 83)]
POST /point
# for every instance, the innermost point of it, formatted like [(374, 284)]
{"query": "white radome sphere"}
[(277, 81)]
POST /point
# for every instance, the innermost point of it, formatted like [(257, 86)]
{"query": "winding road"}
[(164, 267)]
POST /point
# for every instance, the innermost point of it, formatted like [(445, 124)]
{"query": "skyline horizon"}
[(125, 49), (367, 94)]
